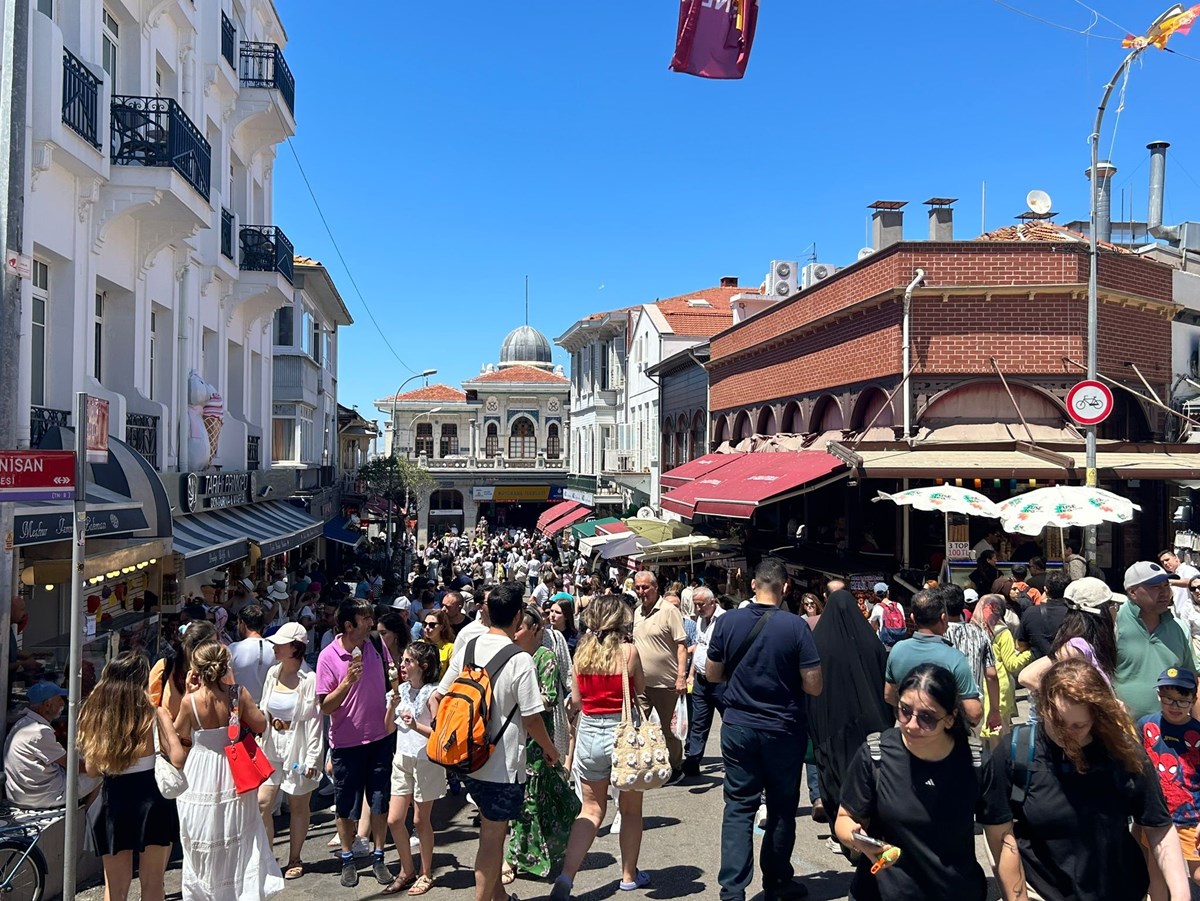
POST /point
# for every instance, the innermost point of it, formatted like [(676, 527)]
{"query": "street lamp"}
[(395, 398)]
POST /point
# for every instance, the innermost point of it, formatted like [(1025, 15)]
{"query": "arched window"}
[(699, 439), (446, 499), (553, 442), (491, 441), (424, 439), (522, 443), (448, 445)]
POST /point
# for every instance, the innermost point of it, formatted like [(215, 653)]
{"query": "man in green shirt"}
[(1149, 638)]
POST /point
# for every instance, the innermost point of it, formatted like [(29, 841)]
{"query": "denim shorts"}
[(497, 801), (594, 745)]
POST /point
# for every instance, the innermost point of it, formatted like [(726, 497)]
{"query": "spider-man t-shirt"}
[(1174, 752)]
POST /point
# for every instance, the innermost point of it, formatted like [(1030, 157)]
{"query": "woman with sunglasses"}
[(439, 633), (923, 795)]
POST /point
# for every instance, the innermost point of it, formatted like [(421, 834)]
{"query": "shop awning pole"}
[(75, 626)]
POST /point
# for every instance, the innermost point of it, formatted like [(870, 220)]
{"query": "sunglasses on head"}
[(926, 721)]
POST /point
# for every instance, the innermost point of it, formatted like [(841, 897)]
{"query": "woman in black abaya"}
[(851, 706)]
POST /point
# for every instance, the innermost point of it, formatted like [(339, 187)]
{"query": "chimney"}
[(1105, 171), (729, 281), (1158, 180), (941, 218), (887, 222)]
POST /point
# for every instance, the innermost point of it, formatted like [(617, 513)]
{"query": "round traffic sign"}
[(1089, 402)]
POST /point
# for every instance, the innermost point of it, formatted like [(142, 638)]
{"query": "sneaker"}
[(561, 890), (349, 873), (676, 777), (760, 818), (787, 891), (360, 848), (819, 814), (382, 874), (615, 828)]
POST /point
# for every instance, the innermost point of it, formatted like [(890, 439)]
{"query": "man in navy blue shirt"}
[(764, 732)]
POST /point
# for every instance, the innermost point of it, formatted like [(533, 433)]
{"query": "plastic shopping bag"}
[(679, 719)]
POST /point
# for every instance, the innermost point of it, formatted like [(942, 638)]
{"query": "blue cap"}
[(562, 596), (39, 692), (1183, 679)]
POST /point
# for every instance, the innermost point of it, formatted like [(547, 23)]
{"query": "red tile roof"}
[(442, 393), (689, 320), (519, 374), (1044, 231)]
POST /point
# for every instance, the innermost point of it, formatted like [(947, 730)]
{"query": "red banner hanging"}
[(714, 37)]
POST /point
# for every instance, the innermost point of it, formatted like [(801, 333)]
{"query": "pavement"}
[(680, 850)]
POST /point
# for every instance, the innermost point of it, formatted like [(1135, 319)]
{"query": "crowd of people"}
[(901, 719)]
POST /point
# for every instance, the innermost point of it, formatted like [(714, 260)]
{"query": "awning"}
[(695, 469), (335, 530), (109, 515), (568, 519), (587, 545), (932, 463), (216, 537), (739, 488), (613, 528), (552, 513), (588, 529)]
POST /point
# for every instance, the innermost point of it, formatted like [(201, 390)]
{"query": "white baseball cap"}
[(289, 632), (402, 603)]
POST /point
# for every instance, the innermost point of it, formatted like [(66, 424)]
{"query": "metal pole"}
[(75, 627), (1089, 538), (13, 91)]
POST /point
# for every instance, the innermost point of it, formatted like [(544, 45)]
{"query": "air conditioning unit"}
[(816, 272), (783, 279)]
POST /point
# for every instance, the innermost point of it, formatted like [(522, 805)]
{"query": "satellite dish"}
[(1038, 202), (646, 513), (865, 252)]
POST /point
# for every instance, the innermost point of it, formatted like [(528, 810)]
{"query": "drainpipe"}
[(183, 426), (918, 279)]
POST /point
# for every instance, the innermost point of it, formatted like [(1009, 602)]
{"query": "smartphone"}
[(867, 840)]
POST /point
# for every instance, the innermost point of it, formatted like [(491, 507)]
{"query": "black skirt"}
[(134, 814)]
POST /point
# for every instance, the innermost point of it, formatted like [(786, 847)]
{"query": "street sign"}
[(37, 475), (97, 430), (18, 264), (1089, 402)]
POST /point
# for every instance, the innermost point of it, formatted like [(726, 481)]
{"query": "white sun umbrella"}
[(1064, 506), (944, 499)]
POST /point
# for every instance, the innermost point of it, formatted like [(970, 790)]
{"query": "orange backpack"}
[(459, 740)]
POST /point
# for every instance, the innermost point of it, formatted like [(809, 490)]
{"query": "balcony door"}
[(522, 443), (110, 48)]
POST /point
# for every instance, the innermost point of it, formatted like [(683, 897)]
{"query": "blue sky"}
[(457, 148)]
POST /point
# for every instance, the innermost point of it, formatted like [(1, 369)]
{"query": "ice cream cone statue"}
[(214, 417), (202, 440)]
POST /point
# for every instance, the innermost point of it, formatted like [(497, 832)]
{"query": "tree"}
[(392, 477)]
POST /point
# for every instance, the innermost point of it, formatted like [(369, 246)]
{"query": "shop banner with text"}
[(714, 37)]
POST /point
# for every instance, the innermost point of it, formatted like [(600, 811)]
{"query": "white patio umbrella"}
[(1064, 506), (944, 499)]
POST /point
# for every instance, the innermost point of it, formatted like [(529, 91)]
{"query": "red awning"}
[(567, 520), (695, 469), (552, 513), (612, 528), (738, 488)]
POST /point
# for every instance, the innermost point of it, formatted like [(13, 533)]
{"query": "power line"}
[(1028, 15)]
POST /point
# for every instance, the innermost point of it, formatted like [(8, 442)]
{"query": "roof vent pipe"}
[(1106, 171), (1158, 180)]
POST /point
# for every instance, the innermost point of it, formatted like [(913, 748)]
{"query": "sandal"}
[(399, 884), (294, 870), (508, 875), (421, 886)]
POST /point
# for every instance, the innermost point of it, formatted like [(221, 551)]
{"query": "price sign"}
[(1089, 402)]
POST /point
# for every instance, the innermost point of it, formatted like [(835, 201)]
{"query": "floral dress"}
[(539, 837)]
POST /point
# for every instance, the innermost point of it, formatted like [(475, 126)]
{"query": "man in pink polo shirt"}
[(351, 689)]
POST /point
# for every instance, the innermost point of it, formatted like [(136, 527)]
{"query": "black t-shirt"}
[(1040, 624), (1037, 581), (926, 809), (1073, 829)]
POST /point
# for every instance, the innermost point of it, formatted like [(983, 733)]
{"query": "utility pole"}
[(13, 95)]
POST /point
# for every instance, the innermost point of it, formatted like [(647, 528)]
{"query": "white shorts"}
[(418, 777)]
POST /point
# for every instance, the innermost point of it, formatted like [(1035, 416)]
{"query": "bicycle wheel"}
[(21, 880)]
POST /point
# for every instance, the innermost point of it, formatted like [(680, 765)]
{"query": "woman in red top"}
[(605, 651)]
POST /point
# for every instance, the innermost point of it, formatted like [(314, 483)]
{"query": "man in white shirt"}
[(706, 696), (34, 761), (498, 787), (547, 587), (1182, 574), (253, 655)]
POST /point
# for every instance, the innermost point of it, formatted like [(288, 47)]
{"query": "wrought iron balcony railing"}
[(263, 66), (81, 99), (265, 248), (155, 131), (226, 233), (141, 433), (229, 41), (42, 420), (253, 452)]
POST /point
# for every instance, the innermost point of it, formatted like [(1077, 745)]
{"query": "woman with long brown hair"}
[(1073, 783), (439, 633)]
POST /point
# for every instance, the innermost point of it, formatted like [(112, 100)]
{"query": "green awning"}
[(588, 529)]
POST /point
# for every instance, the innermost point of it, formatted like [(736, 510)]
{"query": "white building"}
[(496, 446)]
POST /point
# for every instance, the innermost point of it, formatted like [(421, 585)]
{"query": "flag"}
[(714, 37), (1160, 32)]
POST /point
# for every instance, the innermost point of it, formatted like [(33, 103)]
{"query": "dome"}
[(525, 346)]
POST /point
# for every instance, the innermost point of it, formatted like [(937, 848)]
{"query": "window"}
[(308, 327), (317, 344), (153, 353), (491, 441), (553, 442), (110, 46), (283, 433), (604, 384), (158, 82), (329, 350), (306, 448), (424, 443), (448, 443), (98, 338), (522, 444), (46, 8), (285, 318), (41, 299)]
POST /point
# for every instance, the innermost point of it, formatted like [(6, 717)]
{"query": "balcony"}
[(226, 234), (265, 248), (81, 99), (141, 433), (631, 461), (294, 379), (253, 452), (263, 66), (42, 420), (155, 132), (228, 41)]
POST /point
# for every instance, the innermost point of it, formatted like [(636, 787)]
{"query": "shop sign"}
[(211, 491), (37, 475), (215, 557), (482, 492), (520, 493), (580, 497), (959, 550), (41, 528), (287, 542)]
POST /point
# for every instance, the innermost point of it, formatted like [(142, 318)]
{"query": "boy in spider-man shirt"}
[(1172, 741)]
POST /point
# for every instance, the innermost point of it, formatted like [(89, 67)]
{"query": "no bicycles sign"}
[(1089, 402)]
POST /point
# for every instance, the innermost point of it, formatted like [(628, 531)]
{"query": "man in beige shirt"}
[(662, 646)]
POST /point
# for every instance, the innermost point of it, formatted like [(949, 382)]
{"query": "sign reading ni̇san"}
[(37, 475)]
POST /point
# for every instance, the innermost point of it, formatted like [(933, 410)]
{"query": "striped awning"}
[(216, 537)]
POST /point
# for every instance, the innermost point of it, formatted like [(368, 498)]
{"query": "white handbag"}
[(170, 780)]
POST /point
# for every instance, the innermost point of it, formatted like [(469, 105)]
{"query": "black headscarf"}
[(851, 705)]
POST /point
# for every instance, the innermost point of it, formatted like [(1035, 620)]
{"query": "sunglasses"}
[(431, 622), (1194, 588), (926, 722)]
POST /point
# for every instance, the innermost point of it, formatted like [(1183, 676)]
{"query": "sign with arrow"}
[(37, 475)]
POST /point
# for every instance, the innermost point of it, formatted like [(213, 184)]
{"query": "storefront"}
[(515, 506)]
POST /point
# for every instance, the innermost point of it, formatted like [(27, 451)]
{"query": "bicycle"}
[(22, 863)]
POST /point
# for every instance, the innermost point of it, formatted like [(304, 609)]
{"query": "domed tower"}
[(526, 346)]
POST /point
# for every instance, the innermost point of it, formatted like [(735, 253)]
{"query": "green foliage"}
[(390, 476)]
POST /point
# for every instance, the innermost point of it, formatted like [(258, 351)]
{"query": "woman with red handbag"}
[(226, 853)]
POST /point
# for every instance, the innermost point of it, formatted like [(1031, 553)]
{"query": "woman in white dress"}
[(292, 741), (226, 853)]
